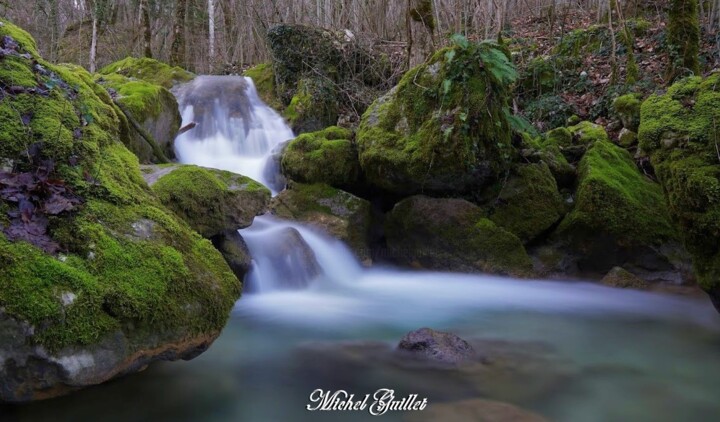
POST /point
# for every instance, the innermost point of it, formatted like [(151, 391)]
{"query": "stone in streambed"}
[(292, 260), (233, 248), (437, 346), (619, 277)]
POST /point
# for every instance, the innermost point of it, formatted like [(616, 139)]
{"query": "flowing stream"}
[(571, 352)]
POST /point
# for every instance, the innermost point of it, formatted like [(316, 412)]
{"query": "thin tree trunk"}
[(211, 32), (147, 30), (177, 49), (93, 43)]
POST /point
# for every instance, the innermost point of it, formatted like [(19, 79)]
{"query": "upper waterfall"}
[(234, 130)]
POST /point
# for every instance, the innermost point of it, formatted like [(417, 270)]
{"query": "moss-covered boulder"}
[(149, 70), (313, 107), (453, 235), (679, 130), (338, 213), (211, 201), (263, 77), (545, 149), (98, 279), (620, 217), (529, 202), (150, 105), (328, 156), (627, 108), (444, 128), (321, 73), (623, 279)]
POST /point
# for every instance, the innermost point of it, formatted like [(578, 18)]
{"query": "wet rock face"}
[(438, 346), (293, 261), (233, 248)]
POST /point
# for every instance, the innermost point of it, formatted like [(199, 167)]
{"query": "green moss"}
[(587, 133), (313, 107), (562, 137), (443, 125), (621, 278), (627, 107), (680, 132), (529, 202), (263, 77), (613, 198), (127, 264), (423, 13), (148, 70), (140, 97), (211, 201), (328, 156)]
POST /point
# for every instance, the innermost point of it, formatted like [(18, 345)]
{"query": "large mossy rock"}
[(315, 69), (454, 235), (679, 130), (98, 279), (545, 149), (443, 129), (153, 107), (529, 202), (211, 201), (313, 107), (338, 213), (620, 217), (328, 156), (149, 70), (263, 77)]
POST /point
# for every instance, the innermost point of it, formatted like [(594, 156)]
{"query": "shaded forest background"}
[(222, 36)]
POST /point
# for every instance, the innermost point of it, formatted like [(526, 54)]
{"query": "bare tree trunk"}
[(147, 30), (177, 49), (211, 32), (93, 42), (421, 27)]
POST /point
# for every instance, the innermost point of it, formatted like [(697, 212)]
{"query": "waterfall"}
[(235, 131)]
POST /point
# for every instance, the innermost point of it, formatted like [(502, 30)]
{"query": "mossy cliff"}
[(328, 156), (443, 129), (98, 278), (619, 216), (452, 234), (680, 132)]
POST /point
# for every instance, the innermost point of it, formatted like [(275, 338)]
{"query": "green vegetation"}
[(627, 107), (683, 35), (680, 132), (313, 107), (264, 78)]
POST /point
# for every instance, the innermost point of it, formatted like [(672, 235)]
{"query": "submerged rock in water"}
[(478, 410), (292, 260), (437, 346), (454, 235), (132, 284), (211, 201)]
